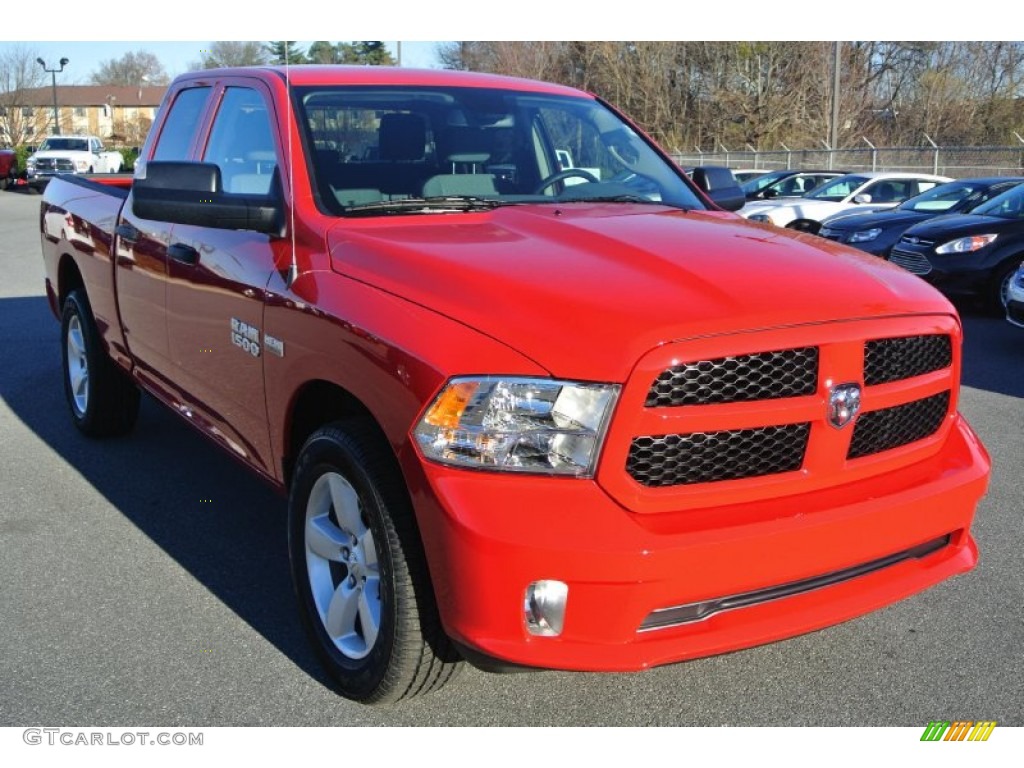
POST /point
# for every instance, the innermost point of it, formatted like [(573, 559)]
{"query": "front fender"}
[(390, 354)]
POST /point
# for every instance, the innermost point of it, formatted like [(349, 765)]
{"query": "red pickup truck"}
[(576, 418)]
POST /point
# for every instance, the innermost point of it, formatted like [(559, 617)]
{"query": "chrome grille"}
[(706, 457), (760, 376), (55, 164), (912, 262), (890, 428), (895, 359)]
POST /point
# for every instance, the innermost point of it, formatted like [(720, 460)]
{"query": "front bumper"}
[(488, 536)]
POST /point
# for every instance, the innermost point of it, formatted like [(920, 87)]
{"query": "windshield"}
[(839, 189), (74, 145), (376, 150), (755, 185), (944, 197), (1009, 205)]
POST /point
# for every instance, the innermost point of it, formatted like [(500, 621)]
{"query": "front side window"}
[(405, 149), (182, 122), (241, 143)]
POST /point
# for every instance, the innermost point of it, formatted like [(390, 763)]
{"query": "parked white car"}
[(71, 154), (876, 190)]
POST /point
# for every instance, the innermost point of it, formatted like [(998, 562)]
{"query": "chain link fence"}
[(955, 162)]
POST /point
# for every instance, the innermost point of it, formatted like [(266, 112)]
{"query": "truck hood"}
[(59, 153), (586, 289)]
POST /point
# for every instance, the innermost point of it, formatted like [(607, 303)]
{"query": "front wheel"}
[(999, 292), (359, 571), (102, 399)]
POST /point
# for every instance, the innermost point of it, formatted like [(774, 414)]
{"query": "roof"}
[(320, 74), (93, 96)]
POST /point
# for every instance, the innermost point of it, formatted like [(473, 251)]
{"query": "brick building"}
[(119, 115)]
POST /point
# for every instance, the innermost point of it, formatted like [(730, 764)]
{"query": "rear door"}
[(141, 251)]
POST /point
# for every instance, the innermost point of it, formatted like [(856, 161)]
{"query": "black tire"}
[(996, 299), (102, 398), (805, 225), (348, 486)]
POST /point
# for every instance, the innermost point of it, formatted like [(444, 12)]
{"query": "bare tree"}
[(134, 68), (762, 94), (19, 73), (231, 53)]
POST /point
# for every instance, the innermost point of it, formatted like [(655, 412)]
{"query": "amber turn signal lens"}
[(447, 411)]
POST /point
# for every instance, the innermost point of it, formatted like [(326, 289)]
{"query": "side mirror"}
[(192, 193), (720, 185), (768, 194), (862, 198)]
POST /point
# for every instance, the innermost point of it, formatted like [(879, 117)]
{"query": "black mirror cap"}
[(720, 185), (191, 193)]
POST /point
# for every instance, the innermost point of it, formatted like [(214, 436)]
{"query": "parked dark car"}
[(8, 167), (877, 232), (973, 254), (789, 183)]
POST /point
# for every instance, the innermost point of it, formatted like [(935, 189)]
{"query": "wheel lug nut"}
[(345, 553)]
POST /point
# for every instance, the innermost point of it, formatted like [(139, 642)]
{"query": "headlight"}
[(762, 217), (511, 424), (30, 163), (81, 165), (865, 235), (966, 244)]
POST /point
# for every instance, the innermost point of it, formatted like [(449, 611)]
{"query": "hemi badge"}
[(273, 345)]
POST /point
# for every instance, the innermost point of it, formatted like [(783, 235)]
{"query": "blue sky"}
[(85, 57)]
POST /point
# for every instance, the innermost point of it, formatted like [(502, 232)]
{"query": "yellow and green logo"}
[(960, 730)]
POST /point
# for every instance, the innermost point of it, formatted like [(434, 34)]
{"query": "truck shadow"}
[(205, 511)]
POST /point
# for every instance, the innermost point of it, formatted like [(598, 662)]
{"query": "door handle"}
[(186, 254)]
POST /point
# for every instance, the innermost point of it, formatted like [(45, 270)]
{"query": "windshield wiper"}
[(425, 205), (624, 198)]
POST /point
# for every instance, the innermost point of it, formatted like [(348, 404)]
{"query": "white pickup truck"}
[(71, 154)]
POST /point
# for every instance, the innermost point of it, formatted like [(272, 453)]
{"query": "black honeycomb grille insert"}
[(760, 376), (890, 428), (707, 457), (894, 359)]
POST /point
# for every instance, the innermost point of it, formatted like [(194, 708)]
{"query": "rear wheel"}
[(102, 399), (359, 571)]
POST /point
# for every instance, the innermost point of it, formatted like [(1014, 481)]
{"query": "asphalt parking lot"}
[(145, 580)]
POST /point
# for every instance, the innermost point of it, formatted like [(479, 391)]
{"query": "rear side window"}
[(181, 125)]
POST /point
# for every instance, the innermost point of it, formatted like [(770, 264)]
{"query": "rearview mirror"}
[(192, 193)]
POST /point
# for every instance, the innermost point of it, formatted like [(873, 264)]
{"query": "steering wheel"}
[(569, 173)]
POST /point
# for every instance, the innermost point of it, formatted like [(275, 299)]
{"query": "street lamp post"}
[(53, 77)]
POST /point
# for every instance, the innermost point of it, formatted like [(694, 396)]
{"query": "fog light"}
[(544, 607)]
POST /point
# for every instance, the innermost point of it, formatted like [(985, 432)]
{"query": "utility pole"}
[(833, 134), (53, 76)]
